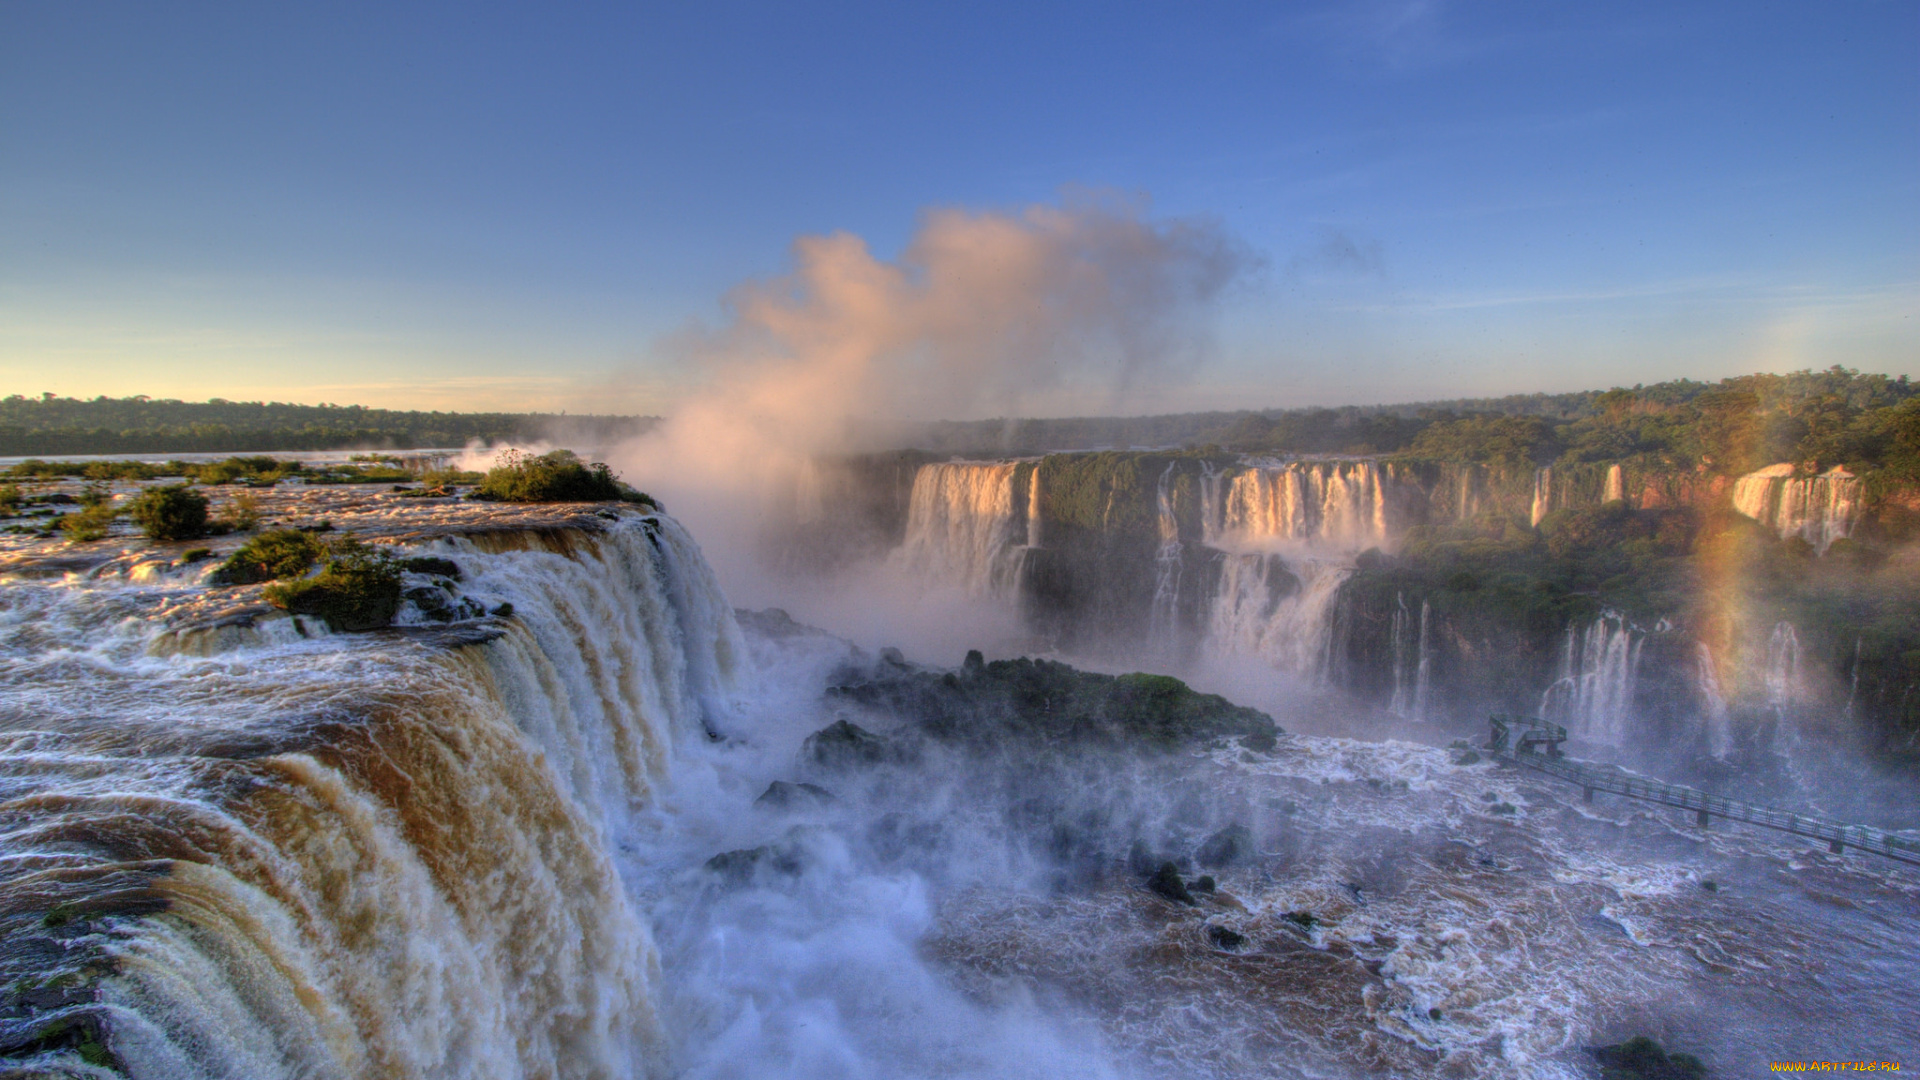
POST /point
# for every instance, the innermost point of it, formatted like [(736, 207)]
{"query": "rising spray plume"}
[(983, 313)]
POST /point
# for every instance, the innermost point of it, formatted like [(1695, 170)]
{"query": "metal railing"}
[(1533, 732)]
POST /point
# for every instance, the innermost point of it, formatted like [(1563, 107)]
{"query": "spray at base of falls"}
[(346, 855)]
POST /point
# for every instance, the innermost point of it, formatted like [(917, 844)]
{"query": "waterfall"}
[(1818, 509), (1423, 672), (1412, 661), (1853, 681), (1279, 613), (1599, 670), (1713, 702), (270, 851), (1326, 505), (1616, 488), (1402, 632), (1542, 494), (1163, 623), (962, 528)]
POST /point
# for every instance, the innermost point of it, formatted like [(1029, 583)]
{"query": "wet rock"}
[(781, 795), (843, 744), (1260, 742), (784, 859), (1305, 920), (1166, 882), (432, 566), (1228, 847), (1204, 883), (1467, 757), (432, 603), (1641, 1058), (1226, 940)]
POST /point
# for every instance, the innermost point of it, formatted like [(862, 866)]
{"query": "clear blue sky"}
[(483, 206)]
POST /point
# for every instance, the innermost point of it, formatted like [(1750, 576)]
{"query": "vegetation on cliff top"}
[(135, 425), (1813, 418), (556, 476)]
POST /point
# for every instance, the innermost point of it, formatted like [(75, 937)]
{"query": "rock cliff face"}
[(1327, 569)]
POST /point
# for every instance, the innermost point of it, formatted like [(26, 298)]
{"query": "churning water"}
[(235, 845)]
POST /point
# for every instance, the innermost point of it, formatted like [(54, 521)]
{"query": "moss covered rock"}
[(357, 591)]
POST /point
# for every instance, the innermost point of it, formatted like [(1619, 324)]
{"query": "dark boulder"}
[(1641, 1058), (1167, 883), (844, 744), (781, 795), (1228, 847), (1226, 940)]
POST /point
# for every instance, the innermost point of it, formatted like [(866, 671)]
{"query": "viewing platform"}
[(1536, 745)]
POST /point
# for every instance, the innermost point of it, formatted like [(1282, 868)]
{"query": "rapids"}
[(548, 841)]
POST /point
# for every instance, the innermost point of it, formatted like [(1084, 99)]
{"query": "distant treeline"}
[(1814, 419), (140, 425)]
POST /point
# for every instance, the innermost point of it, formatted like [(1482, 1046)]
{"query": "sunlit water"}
[(255, 849)]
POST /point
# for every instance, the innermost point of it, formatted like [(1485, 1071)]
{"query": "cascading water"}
[(1818, 509), (963, 530), (1163, 624), (1599, 669), (1280, 612), (1542, 495), (1786, 687), (1616, 487), (1329, 505), (1713, 702), (1412, 661), (274, 851)]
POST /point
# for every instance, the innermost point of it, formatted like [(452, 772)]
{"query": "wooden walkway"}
[(1535, 744)]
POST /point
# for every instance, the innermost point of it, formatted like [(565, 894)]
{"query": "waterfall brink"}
[(1818, 509), (1599, 671), (1282, 614), (267, 853), (962, 529), (1330, 505)]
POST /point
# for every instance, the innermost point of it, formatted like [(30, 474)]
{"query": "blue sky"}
[(491, 206)]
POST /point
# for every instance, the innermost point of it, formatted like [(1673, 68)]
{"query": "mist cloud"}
[(981, 313)]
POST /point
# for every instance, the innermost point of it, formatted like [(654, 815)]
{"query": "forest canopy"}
[(142, 425)]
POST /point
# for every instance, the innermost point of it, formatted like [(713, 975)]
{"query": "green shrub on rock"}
[(359, 590), (86, 526), (173, 512), (279, 553), (557, 476)]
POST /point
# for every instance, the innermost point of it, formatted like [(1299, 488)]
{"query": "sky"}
[(533, 207)]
